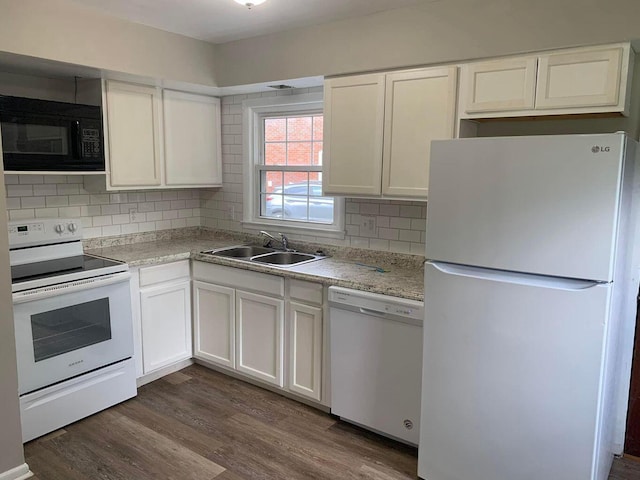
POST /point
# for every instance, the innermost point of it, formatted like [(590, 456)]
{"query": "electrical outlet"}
[(368, 225), (133, 215)]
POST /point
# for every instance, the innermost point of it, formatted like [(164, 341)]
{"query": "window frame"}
[(253, 112)]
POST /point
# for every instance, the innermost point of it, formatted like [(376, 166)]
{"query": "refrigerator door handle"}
[(514, 277)]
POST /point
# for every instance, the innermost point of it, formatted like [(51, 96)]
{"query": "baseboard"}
[(161, 372), (21, 472)]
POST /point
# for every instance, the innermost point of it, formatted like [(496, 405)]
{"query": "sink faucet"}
[(283, 240)]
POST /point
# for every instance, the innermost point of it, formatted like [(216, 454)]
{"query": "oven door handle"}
[(69, 287)]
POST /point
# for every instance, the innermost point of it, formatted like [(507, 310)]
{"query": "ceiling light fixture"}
[(250, 3)]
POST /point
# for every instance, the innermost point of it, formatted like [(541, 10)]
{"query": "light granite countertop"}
[(402, 277)]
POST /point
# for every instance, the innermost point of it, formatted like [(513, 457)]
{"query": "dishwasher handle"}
[(375, 313)]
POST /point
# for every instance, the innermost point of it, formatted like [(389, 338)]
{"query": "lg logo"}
[(597, 149)]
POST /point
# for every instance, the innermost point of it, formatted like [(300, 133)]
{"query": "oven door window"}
[(66, 329), (34, 139)]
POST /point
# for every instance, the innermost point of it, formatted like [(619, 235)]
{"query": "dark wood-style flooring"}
[(198, 424)]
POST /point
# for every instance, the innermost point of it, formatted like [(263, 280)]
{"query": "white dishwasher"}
[(376, 361)]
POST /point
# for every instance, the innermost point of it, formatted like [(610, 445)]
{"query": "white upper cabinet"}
[(191, 139), (564, 82), (581, 78), (499, 86), (378, 130), (160, 139), (134, 129), (419, 107), (353, 129)]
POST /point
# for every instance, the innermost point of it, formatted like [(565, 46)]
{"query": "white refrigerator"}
[(530, 286)]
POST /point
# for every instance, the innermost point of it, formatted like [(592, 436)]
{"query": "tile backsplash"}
[(399, 226), (102, 213)]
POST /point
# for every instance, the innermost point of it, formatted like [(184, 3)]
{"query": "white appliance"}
[(376, 359), (73, 325), (529, 302)]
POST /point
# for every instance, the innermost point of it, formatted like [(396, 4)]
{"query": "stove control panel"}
[(27, 233)]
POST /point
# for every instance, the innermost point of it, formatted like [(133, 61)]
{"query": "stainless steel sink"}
[(242, 251), (285, 258), (264, 255)]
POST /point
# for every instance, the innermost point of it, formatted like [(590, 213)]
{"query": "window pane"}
[(318, 123), (270, 181), (296, 183), (299, 153), (271, 205), (295, 207), (299, 128), (275, 154), (275, 129), (317, 153)]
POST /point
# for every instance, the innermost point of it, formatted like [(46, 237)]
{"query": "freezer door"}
[(546, 205), (511, 371)]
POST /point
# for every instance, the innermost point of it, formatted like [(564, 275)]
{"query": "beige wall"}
[(61, 31), (433, 32), (11, 455)]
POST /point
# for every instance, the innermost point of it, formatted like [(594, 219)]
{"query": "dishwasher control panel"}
[(373, 303)]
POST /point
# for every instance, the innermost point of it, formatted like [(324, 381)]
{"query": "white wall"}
[(11, 455), (400, 226), (65, 32), (430, 33)]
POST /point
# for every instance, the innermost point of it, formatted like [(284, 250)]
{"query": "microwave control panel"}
[(91, 147)]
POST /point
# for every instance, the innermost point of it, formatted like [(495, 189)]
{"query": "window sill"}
[(319, 231)]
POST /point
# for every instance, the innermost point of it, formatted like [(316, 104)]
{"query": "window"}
[(284, 158)]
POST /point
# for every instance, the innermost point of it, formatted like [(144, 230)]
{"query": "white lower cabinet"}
[(214, 320), (304, 326), (259, 334), (240, 323), (165, 315)]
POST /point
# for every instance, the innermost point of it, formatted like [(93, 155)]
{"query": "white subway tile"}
[(57, 201), (23, 214), (193, 222), (33, 202), (19, 190), (185, 213), (146, 207), (409, 236), (154, 216), (418, 224), (369, 209), (120, 219), (388, 233), (11, 179), (13, 203), (170, 195), (153, 196), (400, 247), (31, 179), (390, 210), (111, 230), (412, 211), (169, 214), (90, 210), (102, 220), (178, 223), (79, 199), (92, 232), (55, 179), (378, 244), (99, 199), (130, 228), (68, 189), (178, 204), (166, 205), (118, 198), (163, 225), (147, 227), (400, 222), (110, 209), (45, 190), (86, 222), (382, 222), (69, 212), (47, 213)]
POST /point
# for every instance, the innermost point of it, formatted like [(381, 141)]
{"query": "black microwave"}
[(40, 135)]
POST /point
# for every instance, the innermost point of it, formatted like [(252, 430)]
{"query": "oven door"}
[(72, 328)]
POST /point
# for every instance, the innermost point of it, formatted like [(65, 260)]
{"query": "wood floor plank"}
[(200, 424)]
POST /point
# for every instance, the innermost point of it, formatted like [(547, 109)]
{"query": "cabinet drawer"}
[(308, 292), (164, 273), (238, 278)]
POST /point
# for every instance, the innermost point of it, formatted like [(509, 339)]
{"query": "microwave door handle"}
[(77, 141)]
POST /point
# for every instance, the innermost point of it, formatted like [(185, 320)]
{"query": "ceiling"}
[(220, 21)]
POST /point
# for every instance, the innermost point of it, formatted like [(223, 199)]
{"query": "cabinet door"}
[(419, 107), (166, 324), (259, 336), (501, 85), (133, 125), (192, 139), (304, 325), (579, 79), (214, 323), (353, 131)]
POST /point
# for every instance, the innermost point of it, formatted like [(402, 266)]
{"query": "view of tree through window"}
[(291, 170)]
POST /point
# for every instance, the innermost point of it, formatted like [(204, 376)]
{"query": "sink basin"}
[(285, 258), (243, 251)]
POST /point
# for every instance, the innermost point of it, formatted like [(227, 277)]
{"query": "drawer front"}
[(307, 292), (164, 273), (239, 278)]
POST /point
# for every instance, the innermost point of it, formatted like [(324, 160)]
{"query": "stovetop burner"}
[(59, 266)]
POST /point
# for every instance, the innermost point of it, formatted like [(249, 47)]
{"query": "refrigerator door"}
[(546, 205), (511, 374)]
